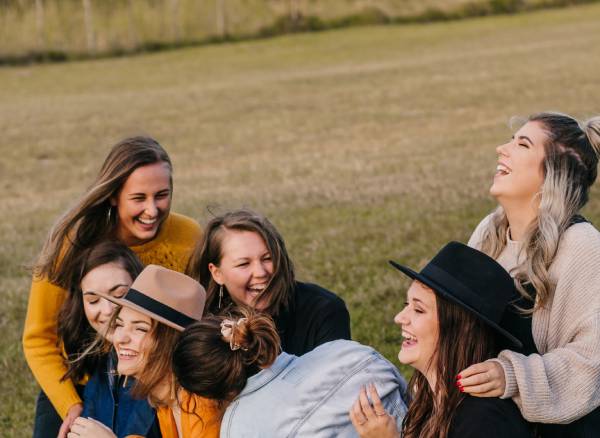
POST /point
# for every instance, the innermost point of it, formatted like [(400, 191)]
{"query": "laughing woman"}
[(242, 260), (160, 304), (543, 179), (130, 201), (451, 318)]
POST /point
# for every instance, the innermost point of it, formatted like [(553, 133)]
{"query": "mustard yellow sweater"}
[(171, 248)]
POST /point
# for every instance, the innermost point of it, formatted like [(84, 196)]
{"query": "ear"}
[(113, 201), (216, 273)]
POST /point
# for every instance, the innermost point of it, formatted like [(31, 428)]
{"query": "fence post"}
[(88, 19)]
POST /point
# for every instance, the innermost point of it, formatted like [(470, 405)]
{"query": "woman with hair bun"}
[(242, 261), (235, 360), (129, 201), (542, 181)]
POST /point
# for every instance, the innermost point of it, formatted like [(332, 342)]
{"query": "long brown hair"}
[(570, 167), (74, 330), (214, 366), (92, 218), (210, 250), (463, 340)]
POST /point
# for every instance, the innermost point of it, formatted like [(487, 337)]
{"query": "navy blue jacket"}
[(106, 399)]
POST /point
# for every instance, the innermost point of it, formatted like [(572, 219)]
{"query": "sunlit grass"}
[(361, 145)]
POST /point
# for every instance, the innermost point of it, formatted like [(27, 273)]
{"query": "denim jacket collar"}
[(265, 376)]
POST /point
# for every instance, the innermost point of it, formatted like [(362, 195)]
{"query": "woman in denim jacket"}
[(109, 268), (236, 361)]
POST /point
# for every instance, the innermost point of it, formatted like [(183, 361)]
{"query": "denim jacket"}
[(311, 395), (106, 399)]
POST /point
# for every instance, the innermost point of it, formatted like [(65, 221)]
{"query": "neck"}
[(520, 215), (163, 392), (431, 378)]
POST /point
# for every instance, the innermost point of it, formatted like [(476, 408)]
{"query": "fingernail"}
[(458, 377), (461, 389)]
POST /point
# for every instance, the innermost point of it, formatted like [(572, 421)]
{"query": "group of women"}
[(216, 336)]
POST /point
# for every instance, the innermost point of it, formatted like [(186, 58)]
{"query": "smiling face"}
[(420, 328), (246, 268), (519, 172), (143, 203), (110, 279), (132, 341)]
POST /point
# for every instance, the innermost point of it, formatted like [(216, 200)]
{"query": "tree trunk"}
[(39, 24), (221, 16), (88, 19)]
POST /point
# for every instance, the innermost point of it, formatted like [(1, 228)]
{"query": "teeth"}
[(502, 168), (127, 353), (147, 221), (408, 337)]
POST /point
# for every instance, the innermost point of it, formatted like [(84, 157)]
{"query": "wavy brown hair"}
[(570, 167), (206, 365), (210, 250), (463, 340), (74, 331), (92, 218)]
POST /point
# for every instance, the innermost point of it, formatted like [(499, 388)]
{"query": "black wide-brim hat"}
[(471, 279)]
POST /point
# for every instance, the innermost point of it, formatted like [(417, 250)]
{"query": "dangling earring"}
[(220, 295), (125, 381), (108, 215)]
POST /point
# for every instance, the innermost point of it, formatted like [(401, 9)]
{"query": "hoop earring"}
[(220, 295), (108, 215)]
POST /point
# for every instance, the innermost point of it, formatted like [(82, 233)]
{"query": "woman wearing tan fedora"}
[(129, 201), (242, 261), (159, 305), (542, 181)]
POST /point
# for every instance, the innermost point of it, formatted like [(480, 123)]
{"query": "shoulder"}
[(477, 236), (490, 415), (313, 295), (181, 227), (578, 249)]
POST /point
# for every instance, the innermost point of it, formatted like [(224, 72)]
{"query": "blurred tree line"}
[(61, 29)]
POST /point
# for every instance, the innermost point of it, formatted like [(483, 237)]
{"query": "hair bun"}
[(254, 335), (592, 129)]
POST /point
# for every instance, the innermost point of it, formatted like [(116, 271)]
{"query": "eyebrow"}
[(112, 289), (144, 194), (419, 301), (141, 322), (524, 137)]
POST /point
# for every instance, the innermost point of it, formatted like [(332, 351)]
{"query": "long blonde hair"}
[(570, 168), (92, 218)]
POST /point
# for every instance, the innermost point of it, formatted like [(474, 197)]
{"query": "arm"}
[(562, 384), (334, 323), (40, 341)]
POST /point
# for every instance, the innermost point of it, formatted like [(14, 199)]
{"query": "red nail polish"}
[(461, 389), (458, 377)]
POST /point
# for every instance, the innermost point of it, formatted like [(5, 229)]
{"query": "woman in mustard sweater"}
[(129, 200)]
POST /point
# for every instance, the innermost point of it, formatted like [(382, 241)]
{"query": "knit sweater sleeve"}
[(563, 384), (40, 345)]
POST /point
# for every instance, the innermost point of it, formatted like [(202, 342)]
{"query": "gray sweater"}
[(562, 383)]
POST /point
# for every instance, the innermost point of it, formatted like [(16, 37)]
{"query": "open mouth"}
[(146, 223), (127, 355), (256, 290), (502, 170), (409, 340)]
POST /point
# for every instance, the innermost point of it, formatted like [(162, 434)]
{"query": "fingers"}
[(356, 414), (472, 370), (480, 390), (367, 409), (377, 405)]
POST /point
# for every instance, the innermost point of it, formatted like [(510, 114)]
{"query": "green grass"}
[(361, 145)]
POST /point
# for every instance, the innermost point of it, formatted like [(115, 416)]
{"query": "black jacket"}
[(488, 417), (313, 317)]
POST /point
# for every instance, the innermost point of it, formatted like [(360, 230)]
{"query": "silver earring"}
[(108, 215), (220, 295)]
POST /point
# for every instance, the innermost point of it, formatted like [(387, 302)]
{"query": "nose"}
[(106, 307), (120, 337), (501, 150), (401, 318), (260, 270), (150, 207)]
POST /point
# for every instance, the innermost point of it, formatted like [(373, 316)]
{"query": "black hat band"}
[(158, 308)]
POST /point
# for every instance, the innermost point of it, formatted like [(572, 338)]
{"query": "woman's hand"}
[(89, 428), (372, 421), (485, 379), (73, 412)]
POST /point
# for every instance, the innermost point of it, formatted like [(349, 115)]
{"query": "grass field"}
[(361, 145)]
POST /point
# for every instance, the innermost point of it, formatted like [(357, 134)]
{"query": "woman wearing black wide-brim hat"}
[(451, 318)]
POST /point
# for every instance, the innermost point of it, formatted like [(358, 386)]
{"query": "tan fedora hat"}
[(167, 296)]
